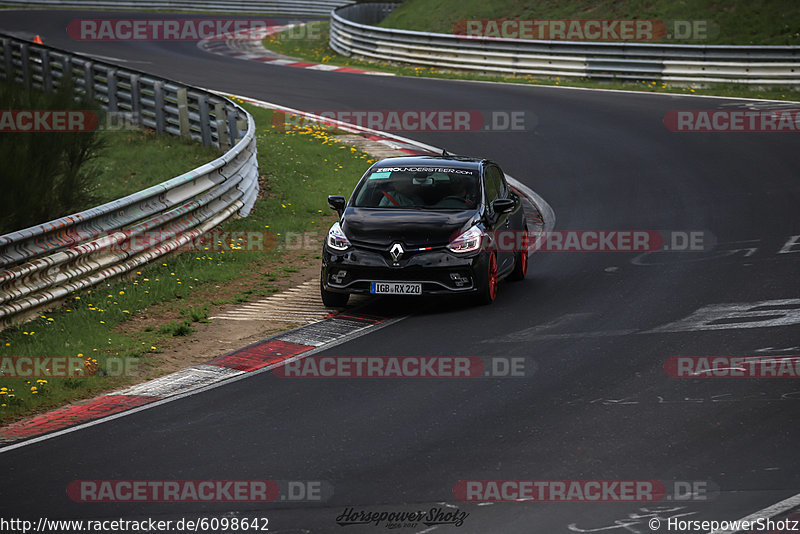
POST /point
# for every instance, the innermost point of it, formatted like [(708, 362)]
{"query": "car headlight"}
[(336, 238), (468, 241)]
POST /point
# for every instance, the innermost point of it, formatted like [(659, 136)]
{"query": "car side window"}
[(488, 187), (494, 184), (502, 185)]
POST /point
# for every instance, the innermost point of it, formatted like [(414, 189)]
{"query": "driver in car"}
[(404, 195), (458, 188)]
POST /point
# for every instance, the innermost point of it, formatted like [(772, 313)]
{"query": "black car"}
[(425, 225)]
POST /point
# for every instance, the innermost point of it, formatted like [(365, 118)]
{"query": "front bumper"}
[(440, 271)]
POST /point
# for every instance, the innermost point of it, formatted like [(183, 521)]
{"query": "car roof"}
[(457, 162)]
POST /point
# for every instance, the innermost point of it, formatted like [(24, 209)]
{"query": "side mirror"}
[(337, 202), (503, 205)]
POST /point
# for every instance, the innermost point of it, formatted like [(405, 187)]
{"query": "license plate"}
[(395, 288)]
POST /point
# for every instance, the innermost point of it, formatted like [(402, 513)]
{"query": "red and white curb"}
[(262, 356), (247, 46)]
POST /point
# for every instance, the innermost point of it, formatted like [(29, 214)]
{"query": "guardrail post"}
[(9, 60), (241, 125), (111, 84), (222, 132), (88, 79), (183, 113), (136, 99), (24, 55), (158, 96), (205, 120), (233, 129), (66, 73), (47, 76)]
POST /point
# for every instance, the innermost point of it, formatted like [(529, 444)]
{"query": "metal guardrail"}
[(353, 33), (47, 262), (278, 7)]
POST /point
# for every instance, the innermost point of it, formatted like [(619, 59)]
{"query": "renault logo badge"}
[(396, 251)]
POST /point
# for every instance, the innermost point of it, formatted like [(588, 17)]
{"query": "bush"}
[(45, 174)]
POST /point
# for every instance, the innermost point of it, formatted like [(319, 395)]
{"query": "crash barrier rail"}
[(278, 7), (47, 262), (353, 33)]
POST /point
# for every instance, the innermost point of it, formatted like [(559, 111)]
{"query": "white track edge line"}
[(766, 513), (358, 333)]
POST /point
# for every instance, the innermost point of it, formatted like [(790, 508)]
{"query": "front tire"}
[(521, 259), (487, 286), (331, 299)]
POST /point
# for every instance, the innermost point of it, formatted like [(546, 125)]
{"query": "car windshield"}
[(419, 188)]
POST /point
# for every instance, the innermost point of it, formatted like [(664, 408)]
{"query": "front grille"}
[(408, 252), (442, 276)]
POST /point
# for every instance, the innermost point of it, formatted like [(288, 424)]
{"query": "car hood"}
[(414, 228)]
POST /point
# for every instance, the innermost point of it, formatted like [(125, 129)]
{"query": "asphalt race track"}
[(594, 330)]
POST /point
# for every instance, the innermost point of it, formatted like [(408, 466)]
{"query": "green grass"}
[(318, 50), (299, 169), (739, 22), (135, 159)]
